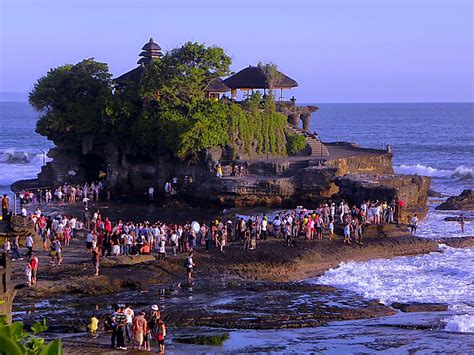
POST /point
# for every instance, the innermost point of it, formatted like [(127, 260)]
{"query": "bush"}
[(14, 340), (295, 144)]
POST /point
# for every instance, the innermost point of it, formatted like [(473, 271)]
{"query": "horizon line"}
[(301, 103)]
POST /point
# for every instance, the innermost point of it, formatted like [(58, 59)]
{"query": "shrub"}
[(295, 144)]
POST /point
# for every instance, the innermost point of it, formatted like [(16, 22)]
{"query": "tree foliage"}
[(72, 98), (295, 143), (167, 110)]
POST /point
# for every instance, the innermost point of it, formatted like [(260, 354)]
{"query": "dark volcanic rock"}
[(463, 242), (433, 193), (465, 201), (420, 307), (456, 219)]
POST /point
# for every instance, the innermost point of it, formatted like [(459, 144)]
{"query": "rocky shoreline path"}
[(236, 289)]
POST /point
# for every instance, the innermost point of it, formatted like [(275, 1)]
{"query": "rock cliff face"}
[(352, 173)]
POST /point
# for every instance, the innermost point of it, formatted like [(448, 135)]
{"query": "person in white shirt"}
[(24, 213), (29, 245), (414, 224), (128, 326), (151, 193)]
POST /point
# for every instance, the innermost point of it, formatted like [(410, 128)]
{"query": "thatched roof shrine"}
[(256, 78), (217, 85)]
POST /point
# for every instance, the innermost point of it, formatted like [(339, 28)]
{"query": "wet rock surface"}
[(420, 307)]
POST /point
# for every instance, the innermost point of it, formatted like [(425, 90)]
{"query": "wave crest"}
[(461, 172), (11, 156)]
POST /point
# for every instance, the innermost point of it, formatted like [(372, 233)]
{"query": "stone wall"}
[(7, 293)]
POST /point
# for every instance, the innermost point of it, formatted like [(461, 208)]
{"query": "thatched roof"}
[(151, 45), (217, 85), (132, 75), (255, 78)]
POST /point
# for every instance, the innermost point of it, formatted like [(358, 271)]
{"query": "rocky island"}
[(170, 118)]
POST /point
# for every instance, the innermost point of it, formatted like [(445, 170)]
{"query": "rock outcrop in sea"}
[(465, 201)]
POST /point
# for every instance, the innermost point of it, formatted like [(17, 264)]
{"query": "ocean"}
[(433, 139)]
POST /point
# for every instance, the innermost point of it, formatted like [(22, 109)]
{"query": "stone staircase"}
[(318, 149)]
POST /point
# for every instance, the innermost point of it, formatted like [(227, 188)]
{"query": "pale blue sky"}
[(338, 51)]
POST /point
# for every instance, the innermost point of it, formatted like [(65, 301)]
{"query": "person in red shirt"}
[(107, 225), (33, 264)]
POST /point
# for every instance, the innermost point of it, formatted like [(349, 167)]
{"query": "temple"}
[(259, 77)]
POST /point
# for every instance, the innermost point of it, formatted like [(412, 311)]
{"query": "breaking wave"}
[(461, 172), (11, 156)]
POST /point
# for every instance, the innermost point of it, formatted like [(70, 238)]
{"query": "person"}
[(189, 265), (347, 233), (120, 321), (331, 229), (7, 246), (58, 251), (34, 267), (89, 240), (151, 193), (5, 206), (219, 170), (462, 222), (29, 244), (113, 327), (139, 329), (161, 335), (174, 241), (151, 326), (28, 273), (96, 259), (93, 326), (128, 326), (413, 224)]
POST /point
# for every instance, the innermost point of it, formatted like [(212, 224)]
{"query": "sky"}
[(337, 50)]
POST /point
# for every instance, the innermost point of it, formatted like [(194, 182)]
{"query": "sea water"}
[(433, 139), (22, 150)]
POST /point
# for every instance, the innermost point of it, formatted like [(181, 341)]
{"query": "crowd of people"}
[(125, 326), (66, 193)]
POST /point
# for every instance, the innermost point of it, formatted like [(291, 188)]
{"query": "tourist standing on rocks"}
[(151, 193), (16, 255), (96, 259), (347, 234), (34, 262), (219, 170), (128, 326), (462, 222), (140, 330), (5, 206), (29, 245), (93, 325), (120, 321), (189, 265), (413, 224), (161, 335)]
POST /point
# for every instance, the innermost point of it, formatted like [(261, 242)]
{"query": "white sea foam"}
[(460, 323), (461, 172), (446, 276), (17, 164)]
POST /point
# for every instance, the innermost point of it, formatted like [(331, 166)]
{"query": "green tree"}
[(180, 78), (73, 99)]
